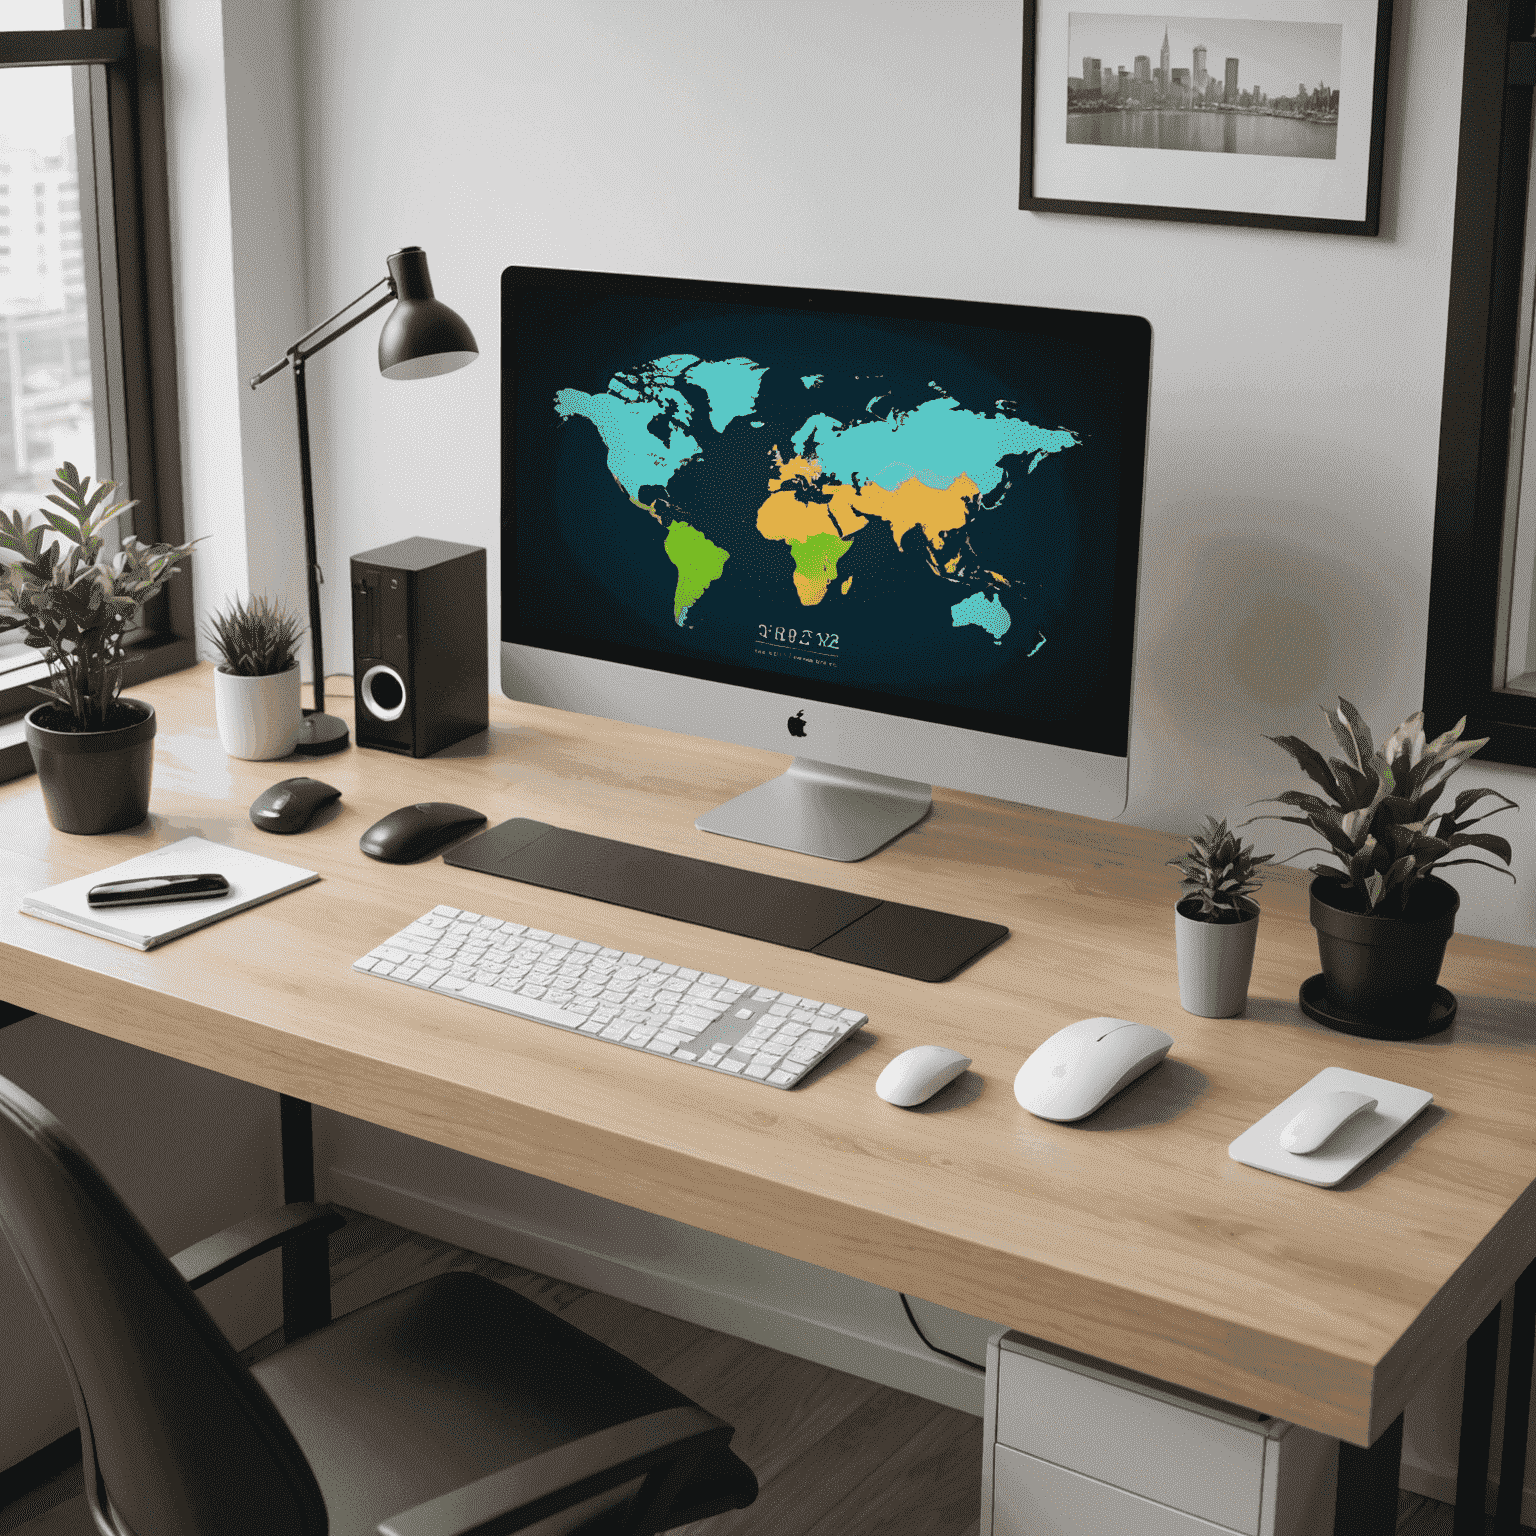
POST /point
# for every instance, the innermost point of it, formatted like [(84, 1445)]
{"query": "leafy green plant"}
[(1219, 872), (256, 638), (1378, 820), (74, 604)]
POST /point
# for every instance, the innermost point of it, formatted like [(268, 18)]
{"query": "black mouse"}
[(415, 831), (291, 804)]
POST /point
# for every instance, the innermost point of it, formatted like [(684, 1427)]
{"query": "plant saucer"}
[(1315, 1004)]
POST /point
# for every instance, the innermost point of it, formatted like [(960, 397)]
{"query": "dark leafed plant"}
[(1378, 819), (1219, 873), (256, 638), (74, 604)]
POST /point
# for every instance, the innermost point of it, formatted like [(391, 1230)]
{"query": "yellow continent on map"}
[(820, 532)]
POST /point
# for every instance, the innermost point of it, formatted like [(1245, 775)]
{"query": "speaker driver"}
[(383, 691)]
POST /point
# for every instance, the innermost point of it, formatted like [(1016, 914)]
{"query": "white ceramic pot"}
[(259, 717), (1215, 962)]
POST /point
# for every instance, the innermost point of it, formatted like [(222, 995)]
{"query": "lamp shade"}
[(422, 336)]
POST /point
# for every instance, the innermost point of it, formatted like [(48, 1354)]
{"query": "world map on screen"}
[(917, 476)]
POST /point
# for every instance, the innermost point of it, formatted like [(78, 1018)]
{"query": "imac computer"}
[(896, 537)]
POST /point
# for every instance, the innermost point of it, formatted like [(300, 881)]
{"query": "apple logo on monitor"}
[(796, 723)]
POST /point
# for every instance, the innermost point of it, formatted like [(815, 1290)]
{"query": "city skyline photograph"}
[(1275, 56)]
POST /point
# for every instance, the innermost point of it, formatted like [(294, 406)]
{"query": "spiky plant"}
[(1379, 820), (1219, 871), (74, 604), (256, 637)]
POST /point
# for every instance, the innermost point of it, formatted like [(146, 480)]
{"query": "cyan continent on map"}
[(931, 468)]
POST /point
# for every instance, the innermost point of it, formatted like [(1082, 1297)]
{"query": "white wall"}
[(233, 143), (1296, 378)]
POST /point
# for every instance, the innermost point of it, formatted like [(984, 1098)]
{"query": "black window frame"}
[(1482, 347), (120, 143)]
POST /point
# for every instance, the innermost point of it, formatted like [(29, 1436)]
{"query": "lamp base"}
[(320, 735)]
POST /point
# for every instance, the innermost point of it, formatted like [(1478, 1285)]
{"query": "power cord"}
[(980, 1370)]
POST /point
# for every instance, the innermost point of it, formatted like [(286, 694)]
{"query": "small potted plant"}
[(1383, 918), (94, 751), (1216, 921), (256, 685)]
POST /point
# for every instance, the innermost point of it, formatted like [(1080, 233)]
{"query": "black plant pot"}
[(1380, 973), (95, 781)]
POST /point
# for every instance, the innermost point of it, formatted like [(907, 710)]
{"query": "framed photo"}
[(1263, 112)]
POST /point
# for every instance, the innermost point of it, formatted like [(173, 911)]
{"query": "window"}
[(87, 354)]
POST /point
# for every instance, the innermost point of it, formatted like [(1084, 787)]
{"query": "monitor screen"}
[(924, 510)]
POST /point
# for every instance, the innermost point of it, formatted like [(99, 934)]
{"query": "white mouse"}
[(1322, 1117), (918, 1074), (1079, 1067)]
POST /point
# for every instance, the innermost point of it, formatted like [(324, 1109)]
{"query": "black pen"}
[(153, 889)]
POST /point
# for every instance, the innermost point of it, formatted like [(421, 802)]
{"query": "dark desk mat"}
[(883, 935)]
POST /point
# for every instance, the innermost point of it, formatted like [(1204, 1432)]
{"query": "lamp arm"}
[(299, 351)]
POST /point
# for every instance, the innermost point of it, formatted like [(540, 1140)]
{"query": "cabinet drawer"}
[(1196, 1462), (1031, 1497)]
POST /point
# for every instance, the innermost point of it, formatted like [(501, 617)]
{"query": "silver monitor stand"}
[(829, 812)]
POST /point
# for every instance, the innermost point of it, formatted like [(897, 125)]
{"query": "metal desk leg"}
[(1517, 1406), (1476, 1427), (1366, 1501), (307, 1262)]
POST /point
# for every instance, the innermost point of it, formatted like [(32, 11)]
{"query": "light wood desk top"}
[(1131, 1237)]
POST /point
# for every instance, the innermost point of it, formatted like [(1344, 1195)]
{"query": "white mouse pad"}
[(1396, 1104)]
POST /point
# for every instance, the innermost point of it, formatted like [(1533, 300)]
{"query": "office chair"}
[(451, 1408)]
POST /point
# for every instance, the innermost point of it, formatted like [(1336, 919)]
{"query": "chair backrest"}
[(179, 1439)]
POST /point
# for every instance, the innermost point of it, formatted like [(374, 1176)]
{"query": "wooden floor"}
[(835, 1455)]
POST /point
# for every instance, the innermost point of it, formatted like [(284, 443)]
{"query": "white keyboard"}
[(628, 999)]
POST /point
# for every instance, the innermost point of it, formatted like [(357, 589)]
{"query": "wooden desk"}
[(1131, 1237)]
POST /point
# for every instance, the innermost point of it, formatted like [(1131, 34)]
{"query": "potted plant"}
[(256, 685), (93, 750), (1382, 916), (1216, 921)]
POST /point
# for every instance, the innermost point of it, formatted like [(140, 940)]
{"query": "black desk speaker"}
[(419, 667)]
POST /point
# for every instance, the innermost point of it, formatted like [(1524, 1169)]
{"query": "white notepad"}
[(252, 880)]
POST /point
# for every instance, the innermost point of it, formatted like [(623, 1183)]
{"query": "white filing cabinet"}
[(1074, 1447)]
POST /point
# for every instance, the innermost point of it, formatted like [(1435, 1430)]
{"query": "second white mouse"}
[(918, 1074), (1070, 1075), (1322, 1118)]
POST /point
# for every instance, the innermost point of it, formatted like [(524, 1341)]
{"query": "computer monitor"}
[(895, 536)]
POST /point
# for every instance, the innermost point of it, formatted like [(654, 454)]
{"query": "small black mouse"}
[(415, 831), (291, 804)]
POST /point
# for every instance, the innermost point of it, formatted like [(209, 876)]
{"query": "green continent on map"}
[(698, 563), (816, 565)]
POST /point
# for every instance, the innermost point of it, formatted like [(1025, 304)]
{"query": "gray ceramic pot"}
[(1215, 962), (95, 781)]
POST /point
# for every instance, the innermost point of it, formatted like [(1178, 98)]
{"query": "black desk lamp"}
[(422, 337)]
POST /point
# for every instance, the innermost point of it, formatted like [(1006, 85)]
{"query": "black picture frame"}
[(1367, 224)]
